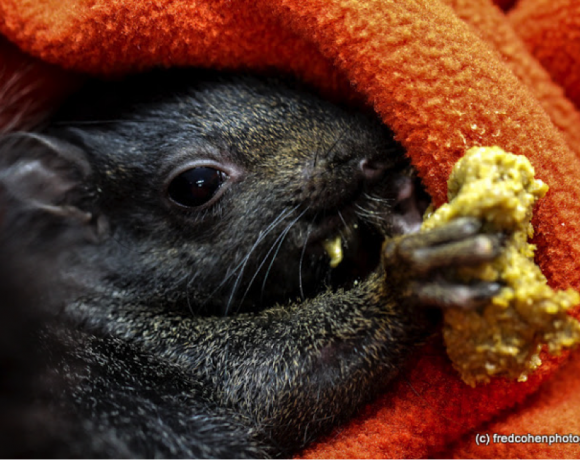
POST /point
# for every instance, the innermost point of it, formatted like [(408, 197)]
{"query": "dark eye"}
[(196, 186)]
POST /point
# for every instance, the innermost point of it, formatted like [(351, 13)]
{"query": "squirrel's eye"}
[(195, 187)]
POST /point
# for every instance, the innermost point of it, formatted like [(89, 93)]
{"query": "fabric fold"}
[(445, 75)]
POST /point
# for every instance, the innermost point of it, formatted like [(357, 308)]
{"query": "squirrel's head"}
[(219, 193)]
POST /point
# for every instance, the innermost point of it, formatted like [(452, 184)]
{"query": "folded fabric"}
[(445, 75)]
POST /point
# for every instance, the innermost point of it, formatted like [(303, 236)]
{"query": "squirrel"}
[(180, 221)]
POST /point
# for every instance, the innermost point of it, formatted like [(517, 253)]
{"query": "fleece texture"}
[(445, 75)]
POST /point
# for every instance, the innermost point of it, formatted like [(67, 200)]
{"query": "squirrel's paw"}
[(422, 264)]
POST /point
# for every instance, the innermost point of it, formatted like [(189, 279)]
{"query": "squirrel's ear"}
[(45, 175)]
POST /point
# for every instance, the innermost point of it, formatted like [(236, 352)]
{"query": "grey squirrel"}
[(193, 311)]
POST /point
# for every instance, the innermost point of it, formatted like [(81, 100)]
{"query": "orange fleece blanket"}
[(446, 75)]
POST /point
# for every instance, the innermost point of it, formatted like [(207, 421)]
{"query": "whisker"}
[(188, 302), (317, 151), (261, 236), (342, 218), (336, 142), (281, 238), (265, 258), (308, 232), (366, 214), (244, 261), (378, 199)]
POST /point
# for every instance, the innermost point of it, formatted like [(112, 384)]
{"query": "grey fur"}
[(219, 331)]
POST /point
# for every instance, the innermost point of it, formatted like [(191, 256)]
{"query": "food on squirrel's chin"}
[(505, 337)]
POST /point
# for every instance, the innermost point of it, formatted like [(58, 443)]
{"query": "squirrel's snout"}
[(372, 170), (329, 185)]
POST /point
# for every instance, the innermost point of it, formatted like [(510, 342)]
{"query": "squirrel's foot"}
[(423, 264)]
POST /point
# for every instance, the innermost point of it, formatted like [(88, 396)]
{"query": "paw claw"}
[(429, 260), (445, 295)]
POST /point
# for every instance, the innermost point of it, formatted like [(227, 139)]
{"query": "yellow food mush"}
[(504, 338), (333, 247)]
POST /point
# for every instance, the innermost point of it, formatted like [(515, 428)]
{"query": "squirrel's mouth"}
[(351, 252), (330, 250), (354, 256), (350, 241)]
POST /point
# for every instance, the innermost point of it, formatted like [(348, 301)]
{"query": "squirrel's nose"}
[(372, 170)]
